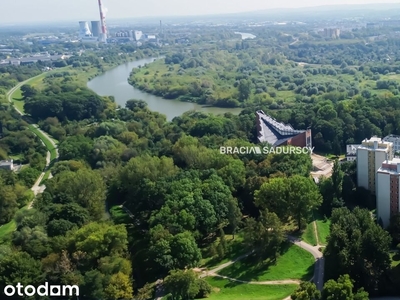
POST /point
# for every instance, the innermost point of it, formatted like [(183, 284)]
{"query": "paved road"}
[(319, 260)]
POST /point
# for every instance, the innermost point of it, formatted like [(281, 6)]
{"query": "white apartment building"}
[(395, 139), (370, 156), (387, 190), (351, 152)]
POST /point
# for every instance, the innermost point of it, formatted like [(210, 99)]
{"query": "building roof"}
[(6, 163), (391, 167), (375, 144), (273, 132), (391, 137), (352, 149)]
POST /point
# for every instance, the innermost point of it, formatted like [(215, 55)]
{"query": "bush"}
[(205, 289)]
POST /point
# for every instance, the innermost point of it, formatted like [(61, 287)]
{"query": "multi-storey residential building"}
[(395, 139), (370, 156), (387, 190), (351, 152)]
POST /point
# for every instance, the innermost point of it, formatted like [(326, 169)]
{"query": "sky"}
[(17, 11)]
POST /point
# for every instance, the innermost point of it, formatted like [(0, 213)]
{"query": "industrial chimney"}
[(103, 35)]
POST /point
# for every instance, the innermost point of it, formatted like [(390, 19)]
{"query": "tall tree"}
[(337, 179), (306, 291), (357, 246), (341, 289), (304, 197)]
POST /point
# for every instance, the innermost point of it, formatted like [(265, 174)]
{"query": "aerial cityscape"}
[(217, 150)]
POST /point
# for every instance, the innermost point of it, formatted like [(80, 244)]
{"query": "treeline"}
[(183, 196), (69, 102), (65, 240)]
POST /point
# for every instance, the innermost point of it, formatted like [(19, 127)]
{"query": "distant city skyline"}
[(24, 11)]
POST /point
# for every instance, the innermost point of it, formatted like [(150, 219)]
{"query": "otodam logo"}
[(41, 290), (266, 150)]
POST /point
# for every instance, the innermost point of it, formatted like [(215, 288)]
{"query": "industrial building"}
[(99, 29), (96, 28), (370, 156), (395, 139), (276, 134), (387, 190), (84, 29)]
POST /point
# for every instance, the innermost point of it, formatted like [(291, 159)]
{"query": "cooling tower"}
[(84, 29), (96, 28)]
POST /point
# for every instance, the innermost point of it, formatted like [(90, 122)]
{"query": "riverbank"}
[(114, 82)]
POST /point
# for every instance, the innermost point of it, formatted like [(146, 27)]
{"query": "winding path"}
[(314, 250), (36, 188), (318, 277)]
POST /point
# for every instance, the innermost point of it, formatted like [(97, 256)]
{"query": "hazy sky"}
[(16, 11)]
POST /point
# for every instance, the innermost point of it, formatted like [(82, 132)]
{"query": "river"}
[(115, 83)]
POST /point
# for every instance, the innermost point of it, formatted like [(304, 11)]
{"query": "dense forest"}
[(135, 199)]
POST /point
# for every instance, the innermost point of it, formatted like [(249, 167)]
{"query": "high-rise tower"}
[(103, 35)]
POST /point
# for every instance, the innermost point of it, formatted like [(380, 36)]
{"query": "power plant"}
[(96, 28), (98, 31), (84, 29)]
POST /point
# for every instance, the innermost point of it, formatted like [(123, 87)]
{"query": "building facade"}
[(395, 139), (387, 190), (278, 134), (7, 165), (351, 152), (370, 156)]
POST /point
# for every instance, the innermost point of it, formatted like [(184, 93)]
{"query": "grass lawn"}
[(395, 257), (45, 177), (294, 263), (6, 230), (308, 235), (323, 230), (16, 97), (225, 290), (119, 216), (235, 249), (49, 146)]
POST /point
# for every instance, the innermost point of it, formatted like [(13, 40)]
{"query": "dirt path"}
[(316, 232)]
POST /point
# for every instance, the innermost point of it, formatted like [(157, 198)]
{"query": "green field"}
[(294, 263), (16, 97), (225, 290)]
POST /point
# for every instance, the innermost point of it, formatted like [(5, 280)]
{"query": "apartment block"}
[(395, 139), (387, 190), (370, 156)]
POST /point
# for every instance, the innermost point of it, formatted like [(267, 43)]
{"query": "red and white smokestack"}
[(103, 23)]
